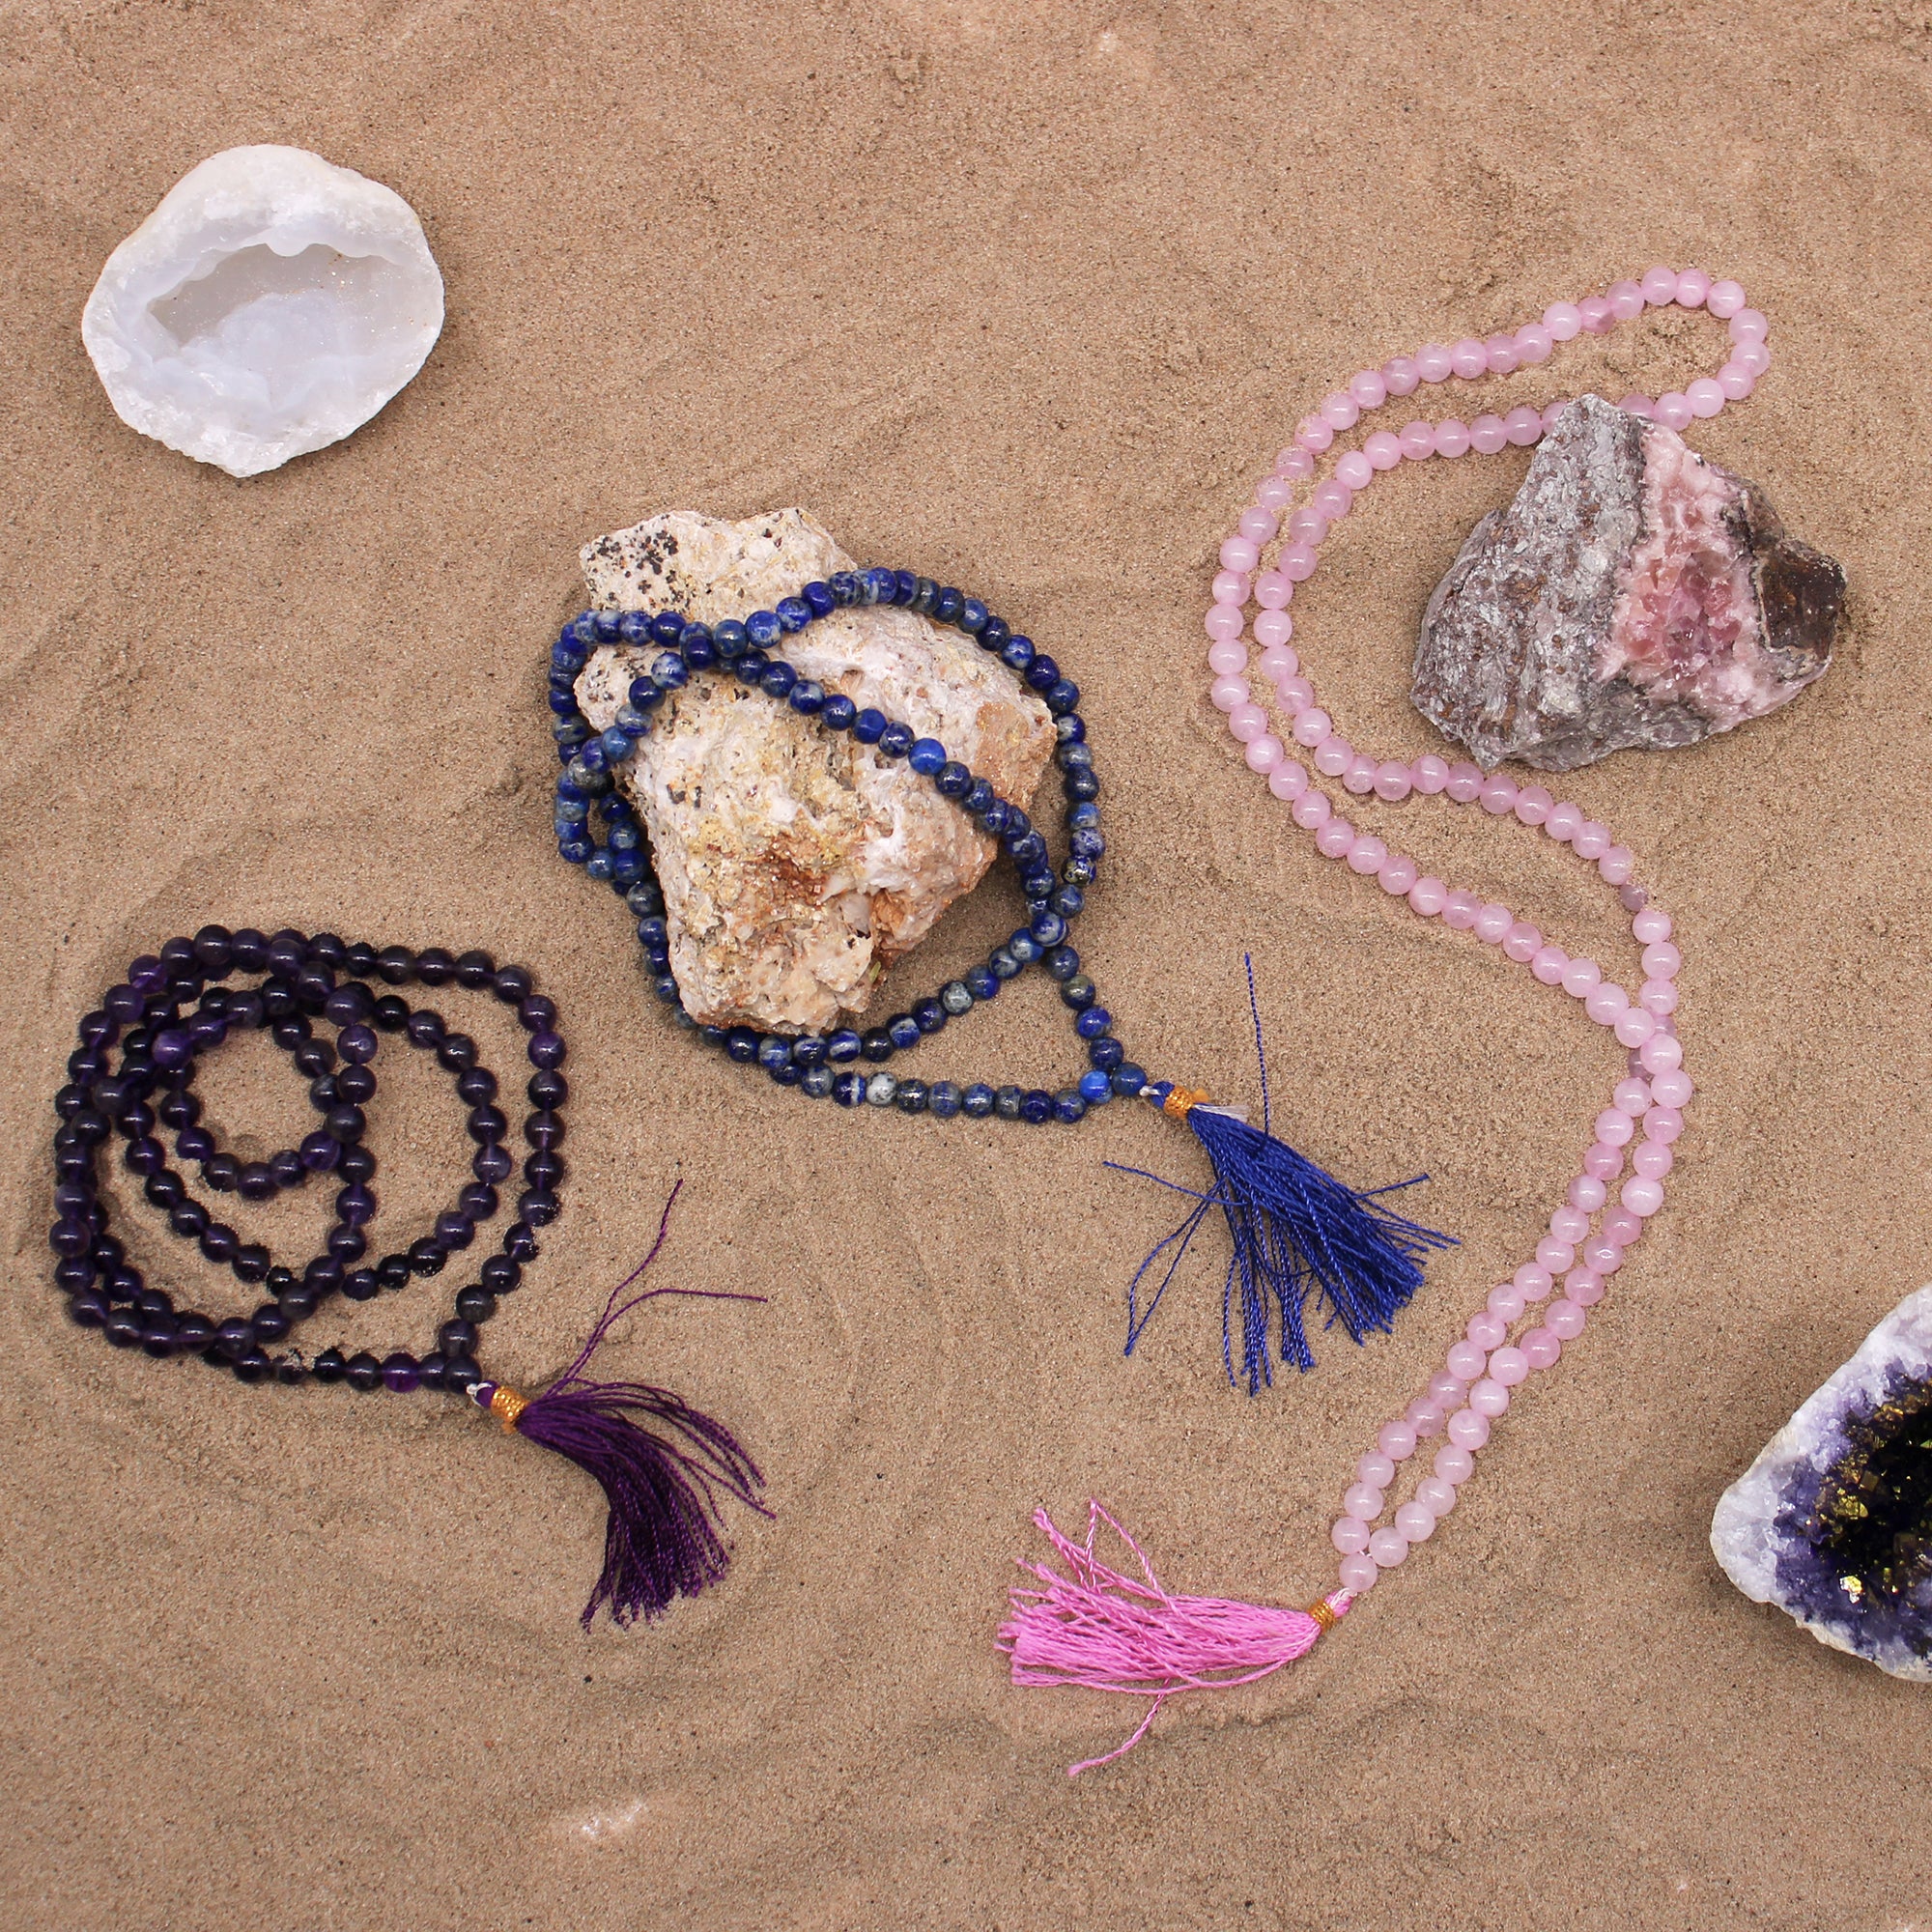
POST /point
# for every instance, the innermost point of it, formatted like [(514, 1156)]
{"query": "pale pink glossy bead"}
[(1736, 381), (1485, 1330), (1553, 1256), (1673, 1088), (1533, 1282), (1418, 441), (1637, 404), (1725, 298), (1332, 756), (1662, 960), (1487, 434), (1465, 781), (1294, 465), (1333, 499), (1388, 1547), (1311, 726), (1662, 1124), (1522, 426), (1375, 1469), (1226, 658), (1616, 865), (1587, 1195), (1626, 301), (1360, 777), (1563, 321), (1693, 288), (1256, 524), (1359, 1574), (1642, 1197), (1434, 363), (1355, 471), (1673, 410), (1652, 923), (1392, 780), (1428, 896), (1565, 1319), (1500, 355), (1397, 874), (1272, 631), (1297, 562), (1224, 622), (1705, 397), (1246, 722), (1541, 1349), (1563, 821), (1633, 1027), (1306, 527), (1288, 781), (1425, 1418), (1549, 964), (1597, 315), (1349, 1535), (1584, 1287), (1384, 451), (1437, 1495), (1363, 1500), (1749, 325), (1340, 410), (1652, 1160), (1534, 343), (1493, 923), (1489, 1397), (1506, 1301), (1622, 1226), (1415, 1521), (1581, 977), (1754, 358), (1466, 1361), (1508, 1367), (1551, 410), (1296, 696), (1661, 1053), (1632, 1095), (1460, 913), (1455, 1461), (1601, 1161), (1230, 586), (1445, 1388), (1452, 436), (1239, 554), (1400, 375), (1334, 838), (1658, 286), (1227, 692), (1522, 942), (1428, 772), (1273, 494), (1616, 1127), (1532, 805), (1469, 359), (1658, 996), (1396, 1441), (1273, 592), (1311, 810), (1601, 1256), (1264, 754), (1498, 794), (1607, 1003), (1590, 840), (1314, 434), (1366, 855)]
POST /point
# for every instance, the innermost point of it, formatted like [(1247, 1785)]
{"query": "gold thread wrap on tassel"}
[(1181, 1099), (506, 1405), (1324, 1614)]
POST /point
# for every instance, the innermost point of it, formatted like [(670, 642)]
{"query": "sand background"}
[(1027, 296)]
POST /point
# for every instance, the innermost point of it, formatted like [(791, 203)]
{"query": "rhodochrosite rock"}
[(1634, 594), (1833, 1522), (797, 863), (271, 304)]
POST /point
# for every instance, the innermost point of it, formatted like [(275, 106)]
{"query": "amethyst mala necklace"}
[(133, 1075)]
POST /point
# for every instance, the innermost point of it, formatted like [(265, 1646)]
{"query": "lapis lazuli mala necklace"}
[(663, 1475)]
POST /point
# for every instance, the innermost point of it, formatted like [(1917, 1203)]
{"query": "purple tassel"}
[(662, 1484)]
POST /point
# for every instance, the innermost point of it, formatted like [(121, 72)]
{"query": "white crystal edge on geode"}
[(1740, 1525), (223, 205)]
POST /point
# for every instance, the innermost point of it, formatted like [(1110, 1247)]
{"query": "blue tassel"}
[(1299, 1235)]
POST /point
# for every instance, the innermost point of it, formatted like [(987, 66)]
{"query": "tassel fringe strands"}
[(1524, 1324)]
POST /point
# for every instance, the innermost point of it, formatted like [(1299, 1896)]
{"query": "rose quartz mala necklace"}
[(1095, 1627)]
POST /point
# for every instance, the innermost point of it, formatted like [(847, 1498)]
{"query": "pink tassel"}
[(1103, 1631)]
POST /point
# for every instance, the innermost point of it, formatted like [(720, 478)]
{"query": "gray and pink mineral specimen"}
[(1634, 594), (1833, 1522), (796, 862)]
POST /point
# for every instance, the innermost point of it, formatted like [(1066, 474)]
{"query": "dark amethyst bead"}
[(358, 1041), (88, 1309), (233, 1335), (329, 1366), (362, 1284), (390, 1013), (346, 1245), (357, 1163), (74, 1274), (345, 1122), (475, 1304), (501, 1274), (544, 1170), (486, 1125), (319, 1151), (493, 1164), (157, 1335), (355, 1205), (270, 1322), (255, 1181), (290, 1369), (426, 1256), (193, 1331), (461, 1375), (287, 1168), (145, 1156), (538, 1208), (430, 1369), (475, 1085), (249, 1262), (456, 1052), (536, 1013), (219, 1241), (511, 985), (364, 1372), (188, 1219), (454, 1231), (435, 967), (251, 1365), (545, 1129), (545, 1049), (357, 1085), (393, 1271), (477, 1200), (425, 1028), (458, 1337), (401, 1372), (474, 970)]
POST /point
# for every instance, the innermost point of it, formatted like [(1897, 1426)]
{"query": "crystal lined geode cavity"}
[(1634, 594), (271, 304), (1833, 1522)]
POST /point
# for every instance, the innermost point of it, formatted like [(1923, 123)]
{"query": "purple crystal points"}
[(1833, 1522), (1634, 594)]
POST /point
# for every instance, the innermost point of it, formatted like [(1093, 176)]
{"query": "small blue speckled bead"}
[(952, 779), (976, 1102), (1078, 992), (913, 1096), (806, 696), (880, 1089), (1095, 1088), (1048, 927), (1007, 1102), (944, 1100), (981, 982), (848, 1089), (926, 757), (820, 598), (868, 726), (1037, 1108), (1024, 947), (763, 629), (1062, 962), (1129, 1079), (742, 1043), (839, 712), (1003, 963), (973, 616), (808, 1049), (778, 678), (816, 1081), (732, 638), (947, 605), (896, 741), (844, 587), (794, 614), (603, 625), (902, 1030), (1105, 1054), (774, 1052), (977, 796), (1069, 1106), (843, 1046), (667, 626), (956, 997), (929, 1014)]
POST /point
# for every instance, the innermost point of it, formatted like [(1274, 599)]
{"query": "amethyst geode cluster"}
[(1833, 1522), (1634, 594)]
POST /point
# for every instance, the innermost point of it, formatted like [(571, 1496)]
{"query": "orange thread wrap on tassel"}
[(506, 1405)]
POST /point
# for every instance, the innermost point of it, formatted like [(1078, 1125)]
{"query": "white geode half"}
[(270, 305), (1765, 1531)]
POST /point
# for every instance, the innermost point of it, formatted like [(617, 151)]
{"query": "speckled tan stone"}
[(797, 864)]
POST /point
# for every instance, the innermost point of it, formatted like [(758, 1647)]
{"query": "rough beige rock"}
[(797, 864)]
